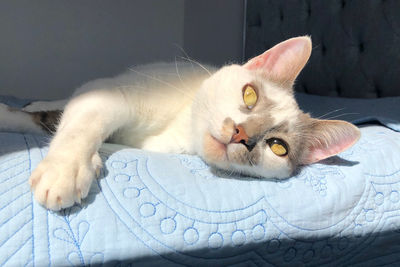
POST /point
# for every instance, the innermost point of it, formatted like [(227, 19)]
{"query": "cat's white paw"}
[(60, 182)]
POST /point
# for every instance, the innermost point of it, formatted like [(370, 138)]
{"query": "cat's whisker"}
[(184, 52), (142, 90), (322, 116), (154, 78), (45, 126), (341, 115), (163, 82), (177, 72), (251, 162), (230, 173), (145, 90), (198, 63)]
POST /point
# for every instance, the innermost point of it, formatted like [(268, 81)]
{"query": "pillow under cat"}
[(240, 118)]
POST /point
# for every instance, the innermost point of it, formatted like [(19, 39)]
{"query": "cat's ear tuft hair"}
[(283, 62), (329, 138)]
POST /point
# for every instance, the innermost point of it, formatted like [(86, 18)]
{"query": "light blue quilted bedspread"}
[(170, 209)]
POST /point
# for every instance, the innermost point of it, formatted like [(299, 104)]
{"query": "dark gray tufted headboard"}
[(356, 43)]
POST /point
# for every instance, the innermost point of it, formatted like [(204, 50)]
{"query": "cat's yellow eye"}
[(278, 147), (249, 96)]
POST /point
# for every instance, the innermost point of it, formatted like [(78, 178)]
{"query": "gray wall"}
[(48, 48), (214, 30)]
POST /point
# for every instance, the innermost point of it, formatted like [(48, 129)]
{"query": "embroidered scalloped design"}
[(172, 209)]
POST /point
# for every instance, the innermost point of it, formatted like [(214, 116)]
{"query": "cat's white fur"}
[(147, 107), (174, 108), (224, 102)]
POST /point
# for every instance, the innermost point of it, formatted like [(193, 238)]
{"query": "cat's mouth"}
[(222, 154), (214, 150)]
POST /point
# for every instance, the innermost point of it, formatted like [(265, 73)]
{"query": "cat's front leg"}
[(65, 175), (63, 179)]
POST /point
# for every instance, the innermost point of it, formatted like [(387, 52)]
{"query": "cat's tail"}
[(17, 120)]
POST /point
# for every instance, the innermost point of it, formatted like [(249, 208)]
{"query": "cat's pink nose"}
[(240, 136)]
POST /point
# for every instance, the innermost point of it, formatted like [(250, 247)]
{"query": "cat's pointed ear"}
[(328, 138), (284, 61)]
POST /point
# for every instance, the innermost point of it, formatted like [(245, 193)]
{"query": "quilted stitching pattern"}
[(355, 43), (167, 209)]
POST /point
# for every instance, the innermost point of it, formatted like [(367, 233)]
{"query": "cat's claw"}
[(59, 183), (97, 164)]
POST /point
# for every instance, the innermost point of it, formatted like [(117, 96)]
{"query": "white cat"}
[(240, 118)]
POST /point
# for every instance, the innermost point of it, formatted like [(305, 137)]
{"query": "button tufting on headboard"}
[(356, 44)]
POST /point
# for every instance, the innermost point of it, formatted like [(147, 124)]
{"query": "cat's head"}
[(247, 120)]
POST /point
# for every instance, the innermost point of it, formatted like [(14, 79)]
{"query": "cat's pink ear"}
[(284, 61), (329, 138)]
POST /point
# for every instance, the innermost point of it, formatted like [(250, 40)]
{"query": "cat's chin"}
[(260, 173), (214, 150), (221, 155)]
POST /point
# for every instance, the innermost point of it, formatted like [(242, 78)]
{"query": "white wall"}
[(48, 48)]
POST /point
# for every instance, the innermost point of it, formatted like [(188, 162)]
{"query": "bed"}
[(162, 209), (167, 209)]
